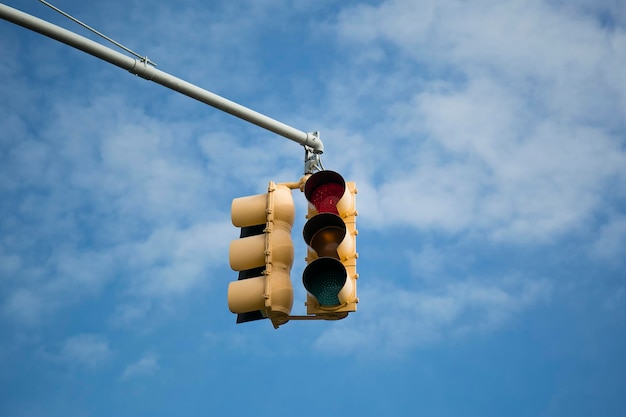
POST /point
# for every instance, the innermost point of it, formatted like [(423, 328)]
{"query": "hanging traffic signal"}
[(330, 234), (263, 256)]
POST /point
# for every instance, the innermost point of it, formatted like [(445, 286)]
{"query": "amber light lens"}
[(324, 233)]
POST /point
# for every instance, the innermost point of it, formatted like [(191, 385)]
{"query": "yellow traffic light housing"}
[(330, 234), (263, 256), (264, 253)]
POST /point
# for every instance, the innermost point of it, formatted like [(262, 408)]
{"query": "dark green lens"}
[(323, 279), (326, 286)]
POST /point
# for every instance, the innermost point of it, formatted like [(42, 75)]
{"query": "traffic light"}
[(330, 234), (263, 255)]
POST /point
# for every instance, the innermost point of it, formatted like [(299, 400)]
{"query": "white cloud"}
[(611, 241), (534, 184), (22, 307), (428, 263), (85, 350), (175, 261), (391, 320), (518, 135), (88, 202), (395, 20), (147, 365), (132, 312)]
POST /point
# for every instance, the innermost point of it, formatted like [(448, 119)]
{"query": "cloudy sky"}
[(487, 140)]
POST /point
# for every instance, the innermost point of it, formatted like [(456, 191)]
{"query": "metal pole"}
[(146, 71)]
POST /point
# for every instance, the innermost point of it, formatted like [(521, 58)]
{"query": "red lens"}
[(326, 196)]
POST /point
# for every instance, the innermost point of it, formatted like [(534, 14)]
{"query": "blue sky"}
[(488, 143)]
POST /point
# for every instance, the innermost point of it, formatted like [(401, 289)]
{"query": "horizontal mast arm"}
[(146, 71)]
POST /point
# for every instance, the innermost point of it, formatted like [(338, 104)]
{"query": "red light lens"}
[(326, 196)]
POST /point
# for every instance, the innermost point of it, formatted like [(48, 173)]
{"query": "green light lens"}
[(323, 279), (326, 286)]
